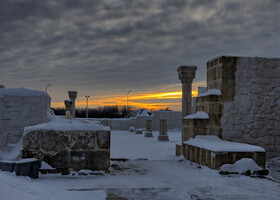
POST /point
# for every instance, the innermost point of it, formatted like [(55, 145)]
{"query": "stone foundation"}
[(215, 160), (72, 149)]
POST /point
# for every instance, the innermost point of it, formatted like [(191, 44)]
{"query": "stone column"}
[(73, 96), (68, 105), (163, 130), (149, 132), (186, 75)]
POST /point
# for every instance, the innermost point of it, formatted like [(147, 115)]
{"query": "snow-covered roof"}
[(210, 92), (140, 112), (62, 124), (198, 115), (21, 92), (213, 143)]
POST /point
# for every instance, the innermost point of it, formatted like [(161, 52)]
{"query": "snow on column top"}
[(62, 124), (21, 92), (198, 115), (210, 92), (214, 143)]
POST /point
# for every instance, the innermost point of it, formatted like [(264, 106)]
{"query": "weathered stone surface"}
[(31, 140), (257, 76), (75, 149), (82, 141), (18, 111), (215, 160), (103, 139), (93, 160)]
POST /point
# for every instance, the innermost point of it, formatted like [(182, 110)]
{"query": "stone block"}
[(178, 150), (103, 139), (59, 160), (148, 134), (163, 138), (7, 165), (32, 100), (54, 141), (65, 150), (139, 131), (215, 160), (28, 167), (31, 140), (4, 138), (82, 141), (93, 160)]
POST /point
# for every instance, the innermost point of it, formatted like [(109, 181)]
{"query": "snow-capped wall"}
[(20, 108), (254, 114), (173, 121)]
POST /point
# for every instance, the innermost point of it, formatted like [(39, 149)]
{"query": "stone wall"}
[(253, 116), (20, 108), (72, 149)]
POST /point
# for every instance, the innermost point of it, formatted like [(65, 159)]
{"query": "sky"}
[(104, 48)]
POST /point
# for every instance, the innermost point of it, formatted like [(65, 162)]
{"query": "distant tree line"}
[(100, 112)]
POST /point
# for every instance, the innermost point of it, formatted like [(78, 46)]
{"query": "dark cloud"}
[(108, 46)]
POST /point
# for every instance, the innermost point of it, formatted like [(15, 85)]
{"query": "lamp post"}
[(127, 99), (46, 89), (87, 106)]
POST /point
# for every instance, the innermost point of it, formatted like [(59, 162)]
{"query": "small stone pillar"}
[(186, 75), (73, 96), (68, 105), (163, 130), (149, 132)]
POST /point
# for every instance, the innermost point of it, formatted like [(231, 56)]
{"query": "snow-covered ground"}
[(152, 172)]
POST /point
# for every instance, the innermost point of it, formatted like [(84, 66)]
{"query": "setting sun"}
[(151, 101)]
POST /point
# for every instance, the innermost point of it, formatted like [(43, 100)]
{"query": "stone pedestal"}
[(73, 96), (139, 131), (149, 132), (163, 130), (186, 74), (71, 149)]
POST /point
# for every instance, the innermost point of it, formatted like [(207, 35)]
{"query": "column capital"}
[(72, 94), (186, 73)]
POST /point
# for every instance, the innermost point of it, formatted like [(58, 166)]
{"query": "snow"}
[(45, 165), (162, 176), (241, 166), (11, 151), (214, 143), (210, 92), (140, 112), (21, 92), (62, 124), (26, 160), (198, 115)]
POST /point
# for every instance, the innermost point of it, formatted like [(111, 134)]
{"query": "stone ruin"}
[(69, 144), (20, 108), (64, 144), (247, 109)]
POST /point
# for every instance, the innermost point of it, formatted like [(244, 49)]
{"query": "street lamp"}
[(87, 106), (46, 89), (127, 99)]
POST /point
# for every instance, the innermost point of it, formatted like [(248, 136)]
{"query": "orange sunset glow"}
[(150, 101)]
